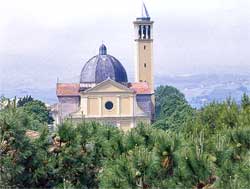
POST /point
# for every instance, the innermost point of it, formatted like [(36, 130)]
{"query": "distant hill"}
[(199, 89), (202, 89)]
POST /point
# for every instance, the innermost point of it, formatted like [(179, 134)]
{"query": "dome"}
[(102, 67)]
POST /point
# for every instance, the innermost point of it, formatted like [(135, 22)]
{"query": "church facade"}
[(104, 93)]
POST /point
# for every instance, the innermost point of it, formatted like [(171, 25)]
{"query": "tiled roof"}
[(67, 89), (140, 87), (72, 89)]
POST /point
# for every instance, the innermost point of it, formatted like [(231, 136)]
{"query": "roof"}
[(67, 89), (72, 89), (140, 87), (101, 67), (123, 87)]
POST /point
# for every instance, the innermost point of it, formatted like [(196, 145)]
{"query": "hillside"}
[(203, 89)]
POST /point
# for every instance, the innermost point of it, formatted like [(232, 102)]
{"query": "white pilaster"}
[(100, 106), (118, 105), (84, 105), (132, 105)]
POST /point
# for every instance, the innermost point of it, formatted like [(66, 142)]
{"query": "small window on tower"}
[(145, 65), (144, 47)]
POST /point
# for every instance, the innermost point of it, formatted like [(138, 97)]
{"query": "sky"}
[(42, 40)]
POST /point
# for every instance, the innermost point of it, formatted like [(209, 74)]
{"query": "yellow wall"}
[(111, 112), (125, 106), (93, 106), (122, 105), (145, 57), (121, 115)]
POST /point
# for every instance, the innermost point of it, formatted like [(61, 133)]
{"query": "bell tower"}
[(144, 48)]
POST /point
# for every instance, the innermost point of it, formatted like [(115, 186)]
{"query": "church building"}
[(104, 93)]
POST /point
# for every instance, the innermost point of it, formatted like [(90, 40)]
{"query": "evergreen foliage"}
[(22, 101), (172, 109), (38, 111), (210, 149)]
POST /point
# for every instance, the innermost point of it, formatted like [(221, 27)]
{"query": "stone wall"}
[(144, 101), (68, 105)]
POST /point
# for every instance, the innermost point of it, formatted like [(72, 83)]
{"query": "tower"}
[(144, 53), (144, 49)]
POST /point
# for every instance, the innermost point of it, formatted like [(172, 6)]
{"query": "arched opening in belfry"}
[(149, 32), (144, 32), (140, 32)]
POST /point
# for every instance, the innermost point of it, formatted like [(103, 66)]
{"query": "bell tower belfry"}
[(144, 49)]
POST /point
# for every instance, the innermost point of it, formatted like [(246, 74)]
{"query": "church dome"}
[(102, 67)]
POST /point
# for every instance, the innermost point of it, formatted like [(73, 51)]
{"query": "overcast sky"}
[(41, 40)]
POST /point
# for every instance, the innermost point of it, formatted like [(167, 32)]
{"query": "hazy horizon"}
[(45, 40)]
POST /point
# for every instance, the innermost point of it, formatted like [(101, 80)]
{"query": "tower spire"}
[(145, 13)]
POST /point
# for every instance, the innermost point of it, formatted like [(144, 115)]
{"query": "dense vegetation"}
[(36, 108), (207, 148), (172, 109)]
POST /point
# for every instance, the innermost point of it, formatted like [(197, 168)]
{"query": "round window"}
[(109, 105)]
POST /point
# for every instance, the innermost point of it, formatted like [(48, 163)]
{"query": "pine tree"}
[(24, 100), (245, 101)]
